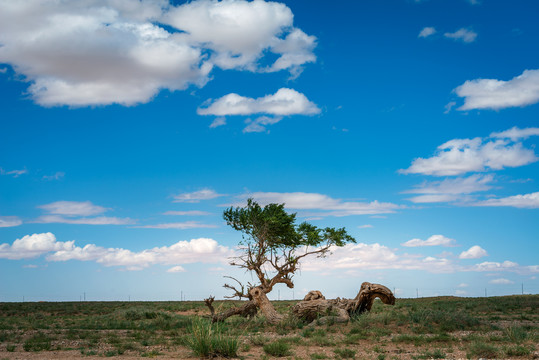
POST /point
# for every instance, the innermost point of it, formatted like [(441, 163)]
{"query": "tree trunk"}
[(248, 309), (266, 307)]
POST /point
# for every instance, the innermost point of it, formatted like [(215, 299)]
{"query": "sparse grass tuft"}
[(480, 349), (277, 348)]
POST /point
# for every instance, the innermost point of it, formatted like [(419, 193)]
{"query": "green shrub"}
[(345, 353), (38, 342), (207, 340), (518, 350), (516, 334), (277, 348), (482, 349)]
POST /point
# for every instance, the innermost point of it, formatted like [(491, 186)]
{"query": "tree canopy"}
[(273, 244)]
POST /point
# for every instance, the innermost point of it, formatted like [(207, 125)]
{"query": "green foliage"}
[(435, 354), (277, 348), (208, 340), (278, 229)]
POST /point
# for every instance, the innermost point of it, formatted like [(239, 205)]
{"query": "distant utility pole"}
[(522, 288), (85, 296), (485, 292), (181, 295), (417, 292), (129, 297)]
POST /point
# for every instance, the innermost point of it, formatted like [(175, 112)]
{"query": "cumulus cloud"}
[(197, 196), (9, 221), (501, 281), (475, 252), (32, 246), (284, 102), (449, 190), (202, 250), (526, 201), (496, 94), (178, 225), (462, 34), (426, 32), (328, 205), (434, 240), (377, 257), (100, 52), (459, 156), (495, 266)]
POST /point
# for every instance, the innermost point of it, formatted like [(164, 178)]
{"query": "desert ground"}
[(424, 328)]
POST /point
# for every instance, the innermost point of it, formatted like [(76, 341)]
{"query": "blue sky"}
[(128, 127)]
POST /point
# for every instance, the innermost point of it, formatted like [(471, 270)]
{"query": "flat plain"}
[(425, 328)]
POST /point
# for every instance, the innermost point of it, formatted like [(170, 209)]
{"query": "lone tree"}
[(271, 248)]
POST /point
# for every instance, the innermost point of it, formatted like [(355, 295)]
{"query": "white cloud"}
[(495, 266), (515, 134), (460, 156), (526, 201), (374, 257), (100, 220), (187, 213), (183, 252), (501, 281), (98, 52), (9, 221), (31, 246), (434, 240), (463, 285), (259, 124), (426, 32), (178, 225), (475, 252), (450, 190), (462, 34), (59, 175), (14, 173), (197, 196), (314, 201), (219, 121), (460, 292), (366, 226), (284, 102), (73, 208), (176, 269), (496, 94)]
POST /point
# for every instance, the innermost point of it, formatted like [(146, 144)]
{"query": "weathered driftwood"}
[(340, 310), (314, 306)]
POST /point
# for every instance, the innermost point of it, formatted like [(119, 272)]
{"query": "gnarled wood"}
[(313, 295), (266, 307), (248, 309), (340, 310)]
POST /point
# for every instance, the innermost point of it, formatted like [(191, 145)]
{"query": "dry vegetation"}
[(429, 328)]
